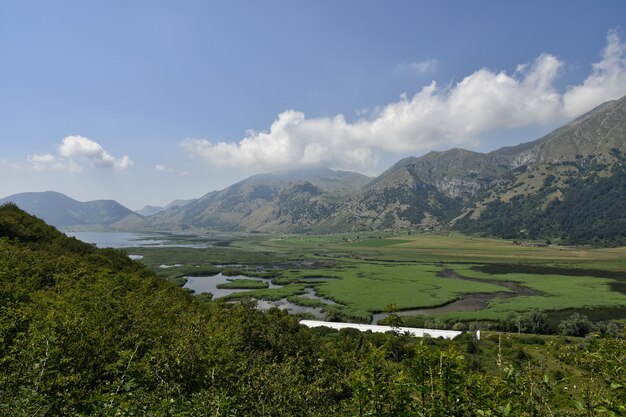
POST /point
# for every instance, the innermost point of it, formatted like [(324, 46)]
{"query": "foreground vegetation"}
[(85, 331)]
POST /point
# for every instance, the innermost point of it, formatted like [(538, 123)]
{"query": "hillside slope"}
[(569, 185), (285, 201)]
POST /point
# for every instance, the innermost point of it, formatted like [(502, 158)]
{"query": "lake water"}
[(115, 239), (121, 240), (209, 284)]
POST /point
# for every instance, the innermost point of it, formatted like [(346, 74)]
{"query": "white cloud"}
[(160, 168), (78, 147), (434, 117), (421, 67), (74, 149), (607, 80), (45, 162)]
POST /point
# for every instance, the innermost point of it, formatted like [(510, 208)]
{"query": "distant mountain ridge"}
[(569, 185), (62, 211), (150, 210), (456, 188), (282, 201)]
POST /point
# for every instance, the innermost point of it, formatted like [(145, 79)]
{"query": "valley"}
[(440, 276), (90, 330), (312, 209)]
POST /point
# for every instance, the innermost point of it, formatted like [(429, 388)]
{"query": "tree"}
[(576, 325), (393, 319), (535, 321)]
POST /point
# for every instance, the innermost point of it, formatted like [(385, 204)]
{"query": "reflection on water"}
[(129, 240), (310, 293), (209, 284)]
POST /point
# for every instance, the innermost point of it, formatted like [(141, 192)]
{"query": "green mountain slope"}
[(87, 331), (568, 185)]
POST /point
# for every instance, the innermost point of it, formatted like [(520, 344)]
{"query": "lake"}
[(130, 240)]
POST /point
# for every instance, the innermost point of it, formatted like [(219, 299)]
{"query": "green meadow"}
[(362, 273)]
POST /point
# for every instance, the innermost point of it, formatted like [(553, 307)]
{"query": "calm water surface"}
[(129, 240), (209, 284)]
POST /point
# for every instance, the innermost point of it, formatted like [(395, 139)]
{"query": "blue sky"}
[(148, 101)]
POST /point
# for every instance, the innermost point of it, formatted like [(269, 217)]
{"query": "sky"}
[(146, 102)]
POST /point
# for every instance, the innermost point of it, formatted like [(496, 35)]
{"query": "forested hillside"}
[(585, 205), (86, 331)]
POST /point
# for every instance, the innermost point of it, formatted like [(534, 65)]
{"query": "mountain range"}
[(569, 185), (150, 210), (62, 211)]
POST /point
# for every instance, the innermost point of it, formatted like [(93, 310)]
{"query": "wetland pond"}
[(210, 284)]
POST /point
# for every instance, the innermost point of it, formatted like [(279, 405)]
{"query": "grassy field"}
[(251, 284), (364, 272), (456, 248), (367, 287)]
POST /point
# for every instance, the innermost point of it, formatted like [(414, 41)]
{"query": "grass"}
[(273, 294), (377, 243), (369, 287), (374, 269), (559, 292), (245, 284)]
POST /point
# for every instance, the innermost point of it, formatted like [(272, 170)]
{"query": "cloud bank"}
[(76, 149), (433, 118)]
